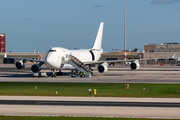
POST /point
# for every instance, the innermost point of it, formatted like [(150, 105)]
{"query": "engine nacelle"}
[(20, 64), (103, 67), (135, 65), (36, 68)]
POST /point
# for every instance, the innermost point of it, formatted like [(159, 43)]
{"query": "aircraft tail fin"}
[(98, 40)]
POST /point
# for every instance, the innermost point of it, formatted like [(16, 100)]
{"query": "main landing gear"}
[(73, 73)]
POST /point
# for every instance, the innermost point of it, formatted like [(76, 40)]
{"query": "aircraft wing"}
[(114, 61), (25, 59)]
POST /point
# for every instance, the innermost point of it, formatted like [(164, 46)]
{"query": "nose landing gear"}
[(54, 73)]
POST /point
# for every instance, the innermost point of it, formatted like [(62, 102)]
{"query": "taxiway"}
[(146, 74)]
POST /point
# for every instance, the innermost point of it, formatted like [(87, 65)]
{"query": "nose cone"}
[(49, 61), (52, 62)]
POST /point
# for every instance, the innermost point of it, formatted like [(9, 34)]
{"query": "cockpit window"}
[(52, 50)]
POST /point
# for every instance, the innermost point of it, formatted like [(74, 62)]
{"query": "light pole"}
[(125, 25)]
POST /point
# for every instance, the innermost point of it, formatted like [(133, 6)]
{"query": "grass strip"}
[(81, 89)]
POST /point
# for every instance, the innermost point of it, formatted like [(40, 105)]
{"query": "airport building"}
[(163, 47), (2, 42)]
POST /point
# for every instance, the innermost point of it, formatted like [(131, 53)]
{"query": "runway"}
[(90, 106)]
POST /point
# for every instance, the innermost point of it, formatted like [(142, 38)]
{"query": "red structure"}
[(2, 42)]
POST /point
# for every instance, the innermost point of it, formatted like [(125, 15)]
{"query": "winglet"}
[(173, 55), (5, 55), (98, 41)]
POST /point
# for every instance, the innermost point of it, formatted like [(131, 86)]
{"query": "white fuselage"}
[(57, 57)]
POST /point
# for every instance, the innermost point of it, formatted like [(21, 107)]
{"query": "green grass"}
[(81, 89), (64, 118)]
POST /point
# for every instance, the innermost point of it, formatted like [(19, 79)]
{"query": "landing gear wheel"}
[(54, 75)]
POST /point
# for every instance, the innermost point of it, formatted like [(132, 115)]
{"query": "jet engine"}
[(103, 67), (36, 68), (135, 65), (20, 64)]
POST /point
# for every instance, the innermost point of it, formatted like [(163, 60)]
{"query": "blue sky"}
[(41, 24)]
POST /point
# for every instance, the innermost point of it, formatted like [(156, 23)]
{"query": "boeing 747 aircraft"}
[(59, 58)]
